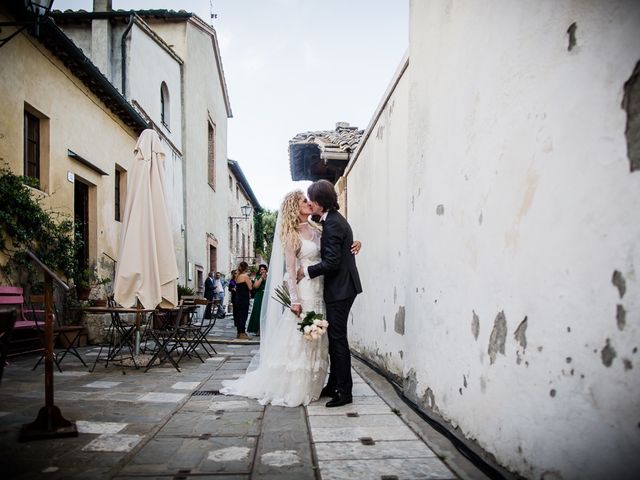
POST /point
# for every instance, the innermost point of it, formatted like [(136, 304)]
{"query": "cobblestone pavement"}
[(166, 424)]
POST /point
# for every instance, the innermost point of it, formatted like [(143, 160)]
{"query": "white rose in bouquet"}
[(307, 329)]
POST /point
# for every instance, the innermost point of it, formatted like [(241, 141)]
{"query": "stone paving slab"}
[(414, 469), (364, 421), (284, 448), (381, 449), (170, 455), (346, 434), (226, 423)]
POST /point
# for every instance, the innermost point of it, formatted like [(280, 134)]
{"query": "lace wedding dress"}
[(292, 370)]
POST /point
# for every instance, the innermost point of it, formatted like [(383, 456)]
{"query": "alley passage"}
[(167, 424)]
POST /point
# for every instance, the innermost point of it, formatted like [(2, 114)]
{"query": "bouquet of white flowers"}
[(313, 325)]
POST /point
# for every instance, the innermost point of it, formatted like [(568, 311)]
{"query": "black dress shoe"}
[(328, 392), (339, 400)]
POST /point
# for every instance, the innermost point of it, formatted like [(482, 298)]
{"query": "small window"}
[(31, 146), (230, 183), (120, 188), (212, 155), (244, 252), (164, 105), (237, 238), (237, 191)]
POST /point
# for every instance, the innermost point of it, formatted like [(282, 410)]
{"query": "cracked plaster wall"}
[(507, 230)]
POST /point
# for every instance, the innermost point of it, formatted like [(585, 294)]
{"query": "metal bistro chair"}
[(196, 331), (164, 331), (120, 335), (68, 334)]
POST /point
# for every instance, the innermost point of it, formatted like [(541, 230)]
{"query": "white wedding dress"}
[(292, 370)]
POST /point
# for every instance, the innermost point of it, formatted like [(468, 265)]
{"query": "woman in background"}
[(241, 301), (258, 293)]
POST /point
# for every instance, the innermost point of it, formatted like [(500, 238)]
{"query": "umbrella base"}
[(49, 424)]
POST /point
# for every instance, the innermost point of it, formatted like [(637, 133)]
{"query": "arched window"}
[(164, 105)]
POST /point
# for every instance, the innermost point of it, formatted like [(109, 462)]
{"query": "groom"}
[(341, 285)]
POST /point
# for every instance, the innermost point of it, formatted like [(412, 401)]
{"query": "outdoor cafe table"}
[(120, 333)]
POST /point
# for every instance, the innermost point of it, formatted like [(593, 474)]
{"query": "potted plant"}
[(86, 279)]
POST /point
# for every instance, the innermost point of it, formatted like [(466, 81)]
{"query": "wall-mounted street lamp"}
[(36, 9), (246, 211)]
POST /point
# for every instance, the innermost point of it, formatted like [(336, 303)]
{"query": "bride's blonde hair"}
[(290, 219)]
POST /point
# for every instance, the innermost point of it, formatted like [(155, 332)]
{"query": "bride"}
[(291, 370)]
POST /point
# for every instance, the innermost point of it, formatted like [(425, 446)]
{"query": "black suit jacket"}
[(208, 288), (338, 264)]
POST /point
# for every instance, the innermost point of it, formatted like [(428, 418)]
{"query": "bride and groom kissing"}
[(316, 262)]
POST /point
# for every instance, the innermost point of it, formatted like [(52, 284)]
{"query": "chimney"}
[(101, 5), (101, 38), (342, 125)]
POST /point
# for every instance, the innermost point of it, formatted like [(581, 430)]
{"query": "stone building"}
[(63, 123), (241, 226), (168, 65)]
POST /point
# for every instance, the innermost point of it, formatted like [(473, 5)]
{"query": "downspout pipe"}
[(123, 49)]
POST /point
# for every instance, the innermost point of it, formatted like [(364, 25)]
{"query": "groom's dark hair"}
[(323, 193)]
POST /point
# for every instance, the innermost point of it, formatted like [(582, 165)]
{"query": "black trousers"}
[(339, 354)]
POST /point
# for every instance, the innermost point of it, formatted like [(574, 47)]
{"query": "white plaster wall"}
[(376, 205), (522, 145), (149, 66), (207, 209)]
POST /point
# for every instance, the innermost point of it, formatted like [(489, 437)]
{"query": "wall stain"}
[(498, 337), (552, 393), (521, 333), (440, 209), (480, 219), (483, 385), (619, 282), (429, 400), (384, 323), (395, 294), (631, 105), (621, 317), (627, 364), (475, 325), (464, 381), (398, 324), (608, 353)]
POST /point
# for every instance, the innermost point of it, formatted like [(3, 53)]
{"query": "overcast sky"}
[(292, 66)]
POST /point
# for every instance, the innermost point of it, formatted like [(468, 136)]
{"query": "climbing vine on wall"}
[(25, 224)]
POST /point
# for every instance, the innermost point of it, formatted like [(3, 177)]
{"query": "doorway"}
[(213, 259), (81, 222)]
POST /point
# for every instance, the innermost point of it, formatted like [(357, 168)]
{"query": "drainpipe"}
[(185, 155), (123, 47)]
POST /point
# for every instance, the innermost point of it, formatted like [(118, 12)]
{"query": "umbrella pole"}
[(138, 322)]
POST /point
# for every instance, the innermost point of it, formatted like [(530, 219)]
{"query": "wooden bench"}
[(25, 337)]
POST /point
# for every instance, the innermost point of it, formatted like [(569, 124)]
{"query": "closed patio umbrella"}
[(147, 268)]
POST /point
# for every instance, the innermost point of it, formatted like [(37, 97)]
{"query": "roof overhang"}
[(234, 166)]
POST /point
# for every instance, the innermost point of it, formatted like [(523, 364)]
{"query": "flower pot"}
[(83, 293)]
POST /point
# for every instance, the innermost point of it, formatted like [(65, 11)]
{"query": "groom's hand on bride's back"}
[(356, 246)]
